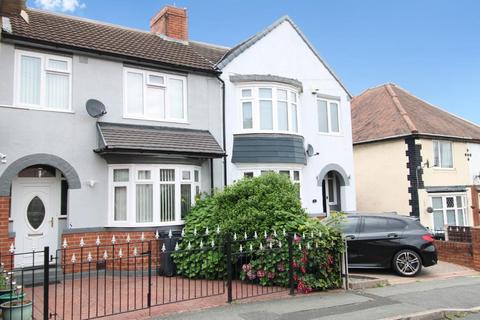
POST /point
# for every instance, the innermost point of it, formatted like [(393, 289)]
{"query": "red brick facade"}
[(5, 240), (172, 22), (475, 206)]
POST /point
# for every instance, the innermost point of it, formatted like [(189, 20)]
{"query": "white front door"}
[(35, 212)]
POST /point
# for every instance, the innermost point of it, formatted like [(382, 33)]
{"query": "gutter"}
[(224, 137)]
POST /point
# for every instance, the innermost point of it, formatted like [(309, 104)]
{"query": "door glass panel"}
[(35, 212)]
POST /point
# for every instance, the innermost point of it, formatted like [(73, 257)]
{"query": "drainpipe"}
[(224, 131)]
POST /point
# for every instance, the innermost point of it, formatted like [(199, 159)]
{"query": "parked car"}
[(388, 241)]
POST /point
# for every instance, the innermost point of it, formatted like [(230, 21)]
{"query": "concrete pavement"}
[(370, 304)]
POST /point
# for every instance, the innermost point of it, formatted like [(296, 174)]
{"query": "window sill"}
[(36, 109), (444, 169), (156, 120), (338, 135), (143, 225)]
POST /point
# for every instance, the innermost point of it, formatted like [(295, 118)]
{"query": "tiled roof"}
[(58, 29), (121, 137), (211, 52), (389, 111)]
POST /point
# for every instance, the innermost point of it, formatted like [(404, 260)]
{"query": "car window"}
[(380, 224), (349, 226), (375, 224)]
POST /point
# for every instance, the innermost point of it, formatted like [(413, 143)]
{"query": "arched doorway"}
[(38, 189), (333, 179)]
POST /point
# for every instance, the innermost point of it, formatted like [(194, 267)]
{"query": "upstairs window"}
[(43, 81), (442, 154), (328, 116), (268, 108), (155, 96)]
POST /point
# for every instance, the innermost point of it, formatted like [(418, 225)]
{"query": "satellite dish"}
[(310, 151), (95, 108)]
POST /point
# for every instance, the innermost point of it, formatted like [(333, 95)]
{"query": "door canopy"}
[(343, 177)]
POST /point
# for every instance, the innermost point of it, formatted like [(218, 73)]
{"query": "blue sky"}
[(429, 47)]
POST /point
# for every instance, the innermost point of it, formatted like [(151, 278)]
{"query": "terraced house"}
[(415, 159), (108, 130)]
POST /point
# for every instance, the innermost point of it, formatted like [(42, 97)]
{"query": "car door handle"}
[(393, 235), (350, 237)]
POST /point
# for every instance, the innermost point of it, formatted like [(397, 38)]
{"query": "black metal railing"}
[(106, 279)]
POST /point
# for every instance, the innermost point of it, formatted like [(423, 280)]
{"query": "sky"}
[(429, 47)]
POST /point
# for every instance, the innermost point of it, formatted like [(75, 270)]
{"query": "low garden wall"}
[(463, 253)]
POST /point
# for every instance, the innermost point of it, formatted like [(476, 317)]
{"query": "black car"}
[(388, 241)]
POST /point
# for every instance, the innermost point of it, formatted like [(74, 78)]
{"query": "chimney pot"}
[(171, 22)]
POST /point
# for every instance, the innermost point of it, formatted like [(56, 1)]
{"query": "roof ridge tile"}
[(401, 109)]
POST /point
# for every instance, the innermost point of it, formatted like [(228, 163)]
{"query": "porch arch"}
[(342, 174), (38, 159)]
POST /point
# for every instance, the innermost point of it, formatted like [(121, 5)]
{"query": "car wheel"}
[(407, 263)]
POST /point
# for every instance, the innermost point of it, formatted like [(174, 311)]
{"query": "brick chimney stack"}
[(172, 22)]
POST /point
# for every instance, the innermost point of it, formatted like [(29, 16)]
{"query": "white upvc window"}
[(43, 81), (293, 174), (449, 210), (328, 116), (146, 195), (443, 154), (268, 108), (156, 96)]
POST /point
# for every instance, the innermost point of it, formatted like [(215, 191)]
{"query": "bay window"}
[(43, 81), (154, 96), (268, 108), (449, 210), (328, 116), (442, 154), (152, 194), (293, 174)]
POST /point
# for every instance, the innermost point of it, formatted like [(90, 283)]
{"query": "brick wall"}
[(455, 252), (113, 261), (5, 240), (465, 254)]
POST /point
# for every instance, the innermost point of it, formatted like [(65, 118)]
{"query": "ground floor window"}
[(293, 174), (449, 210), (152, 194)]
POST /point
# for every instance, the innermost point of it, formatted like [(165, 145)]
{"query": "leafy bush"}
[(264, 210)]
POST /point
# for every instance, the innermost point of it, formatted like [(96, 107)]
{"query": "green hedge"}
[(265, 205)]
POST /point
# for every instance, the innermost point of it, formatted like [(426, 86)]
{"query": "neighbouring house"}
[(287, 112), (415, 159), (66, 175)]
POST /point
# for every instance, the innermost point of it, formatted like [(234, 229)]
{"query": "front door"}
[(35, 211)]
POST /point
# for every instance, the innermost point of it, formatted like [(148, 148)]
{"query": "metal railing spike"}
[(82, 243), (98, 241), (113, 239), (74, 259), (65, 244), (163, 248), (170, 233)]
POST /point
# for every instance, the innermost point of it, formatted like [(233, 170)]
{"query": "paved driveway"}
[(442, 270)]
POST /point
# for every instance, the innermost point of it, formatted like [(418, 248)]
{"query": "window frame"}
[(44, 70), (257, 171), (440, 166), (255, 99), (329, 116), (155, 181), (444, 208), (146, 83)]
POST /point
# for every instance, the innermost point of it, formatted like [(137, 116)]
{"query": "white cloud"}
[(60, 5)]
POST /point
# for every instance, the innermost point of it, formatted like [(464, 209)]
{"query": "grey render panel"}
[(262, 148), (266, 78), (158, 139)]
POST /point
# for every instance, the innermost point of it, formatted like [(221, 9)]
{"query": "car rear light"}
[(428, 238)]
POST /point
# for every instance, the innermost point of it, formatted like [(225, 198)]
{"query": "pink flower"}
[(246, 267), (303, 270), (281, 267), (251, 275), (260, 273), (271, 275), (294, 264), (330, 260), (297, 239)]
